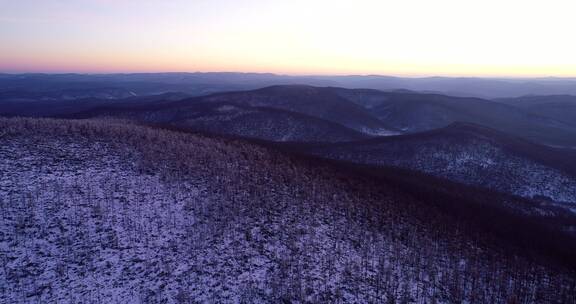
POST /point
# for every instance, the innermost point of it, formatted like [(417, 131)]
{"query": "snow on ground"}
[(86, 220), (82, 224), (475, 162)]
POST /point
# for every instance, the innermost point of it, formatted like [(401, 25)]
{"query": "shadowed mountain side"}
[(416, 112), (366, 111), (559, 107), (314, 101), (59, 107), (235, 120), (472, 155)]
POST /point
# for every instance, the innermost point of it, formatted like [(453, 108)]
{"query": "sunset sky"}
[(394, 37)]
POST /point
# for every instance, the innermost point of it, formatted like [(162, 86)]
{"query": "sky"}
[(391, 37)]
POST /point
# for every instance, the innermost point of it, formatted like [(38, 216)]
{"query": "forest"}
[(99, 211)]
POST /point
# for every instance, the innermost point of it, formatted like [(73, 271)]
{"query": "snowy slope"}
[(471, 155), (104, 212)]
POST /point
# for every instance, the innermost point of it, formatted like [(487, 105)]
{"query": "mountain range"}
[(371, 112), (67, 85), (240, 188)]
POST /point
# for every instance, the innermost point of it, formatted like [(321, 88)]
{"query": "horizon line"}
[(291, 74)]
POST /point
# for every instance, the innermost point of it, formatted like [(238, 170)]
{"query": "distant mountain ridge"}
[(284, 113), (63, 107), (207, 83), (416, 112), (366, 111)]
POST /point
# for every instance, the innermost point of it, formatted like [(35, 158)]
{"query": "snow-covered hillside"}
[(108, 212), (469, 155)]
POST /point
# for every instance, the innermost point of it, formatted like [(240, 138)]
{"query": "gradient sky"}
[(396, 37)]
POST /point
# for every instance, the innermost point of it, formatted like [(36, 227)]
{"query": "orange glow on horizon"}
[(405, 38)]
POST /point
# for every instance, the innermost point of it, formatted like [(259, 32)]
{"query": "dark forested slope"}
[(559, 107), (333, 114), (472, 155), (234, 119), (416, 112), (100, 211)]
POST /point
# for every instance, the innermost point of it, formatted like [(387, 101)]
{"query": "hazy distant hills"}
[(207, 83), (416, 112), (60, 107), (559, 107), (66, 86), (471, 155), (348, 113), (279, 113), (463, 86), (65, 94)]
